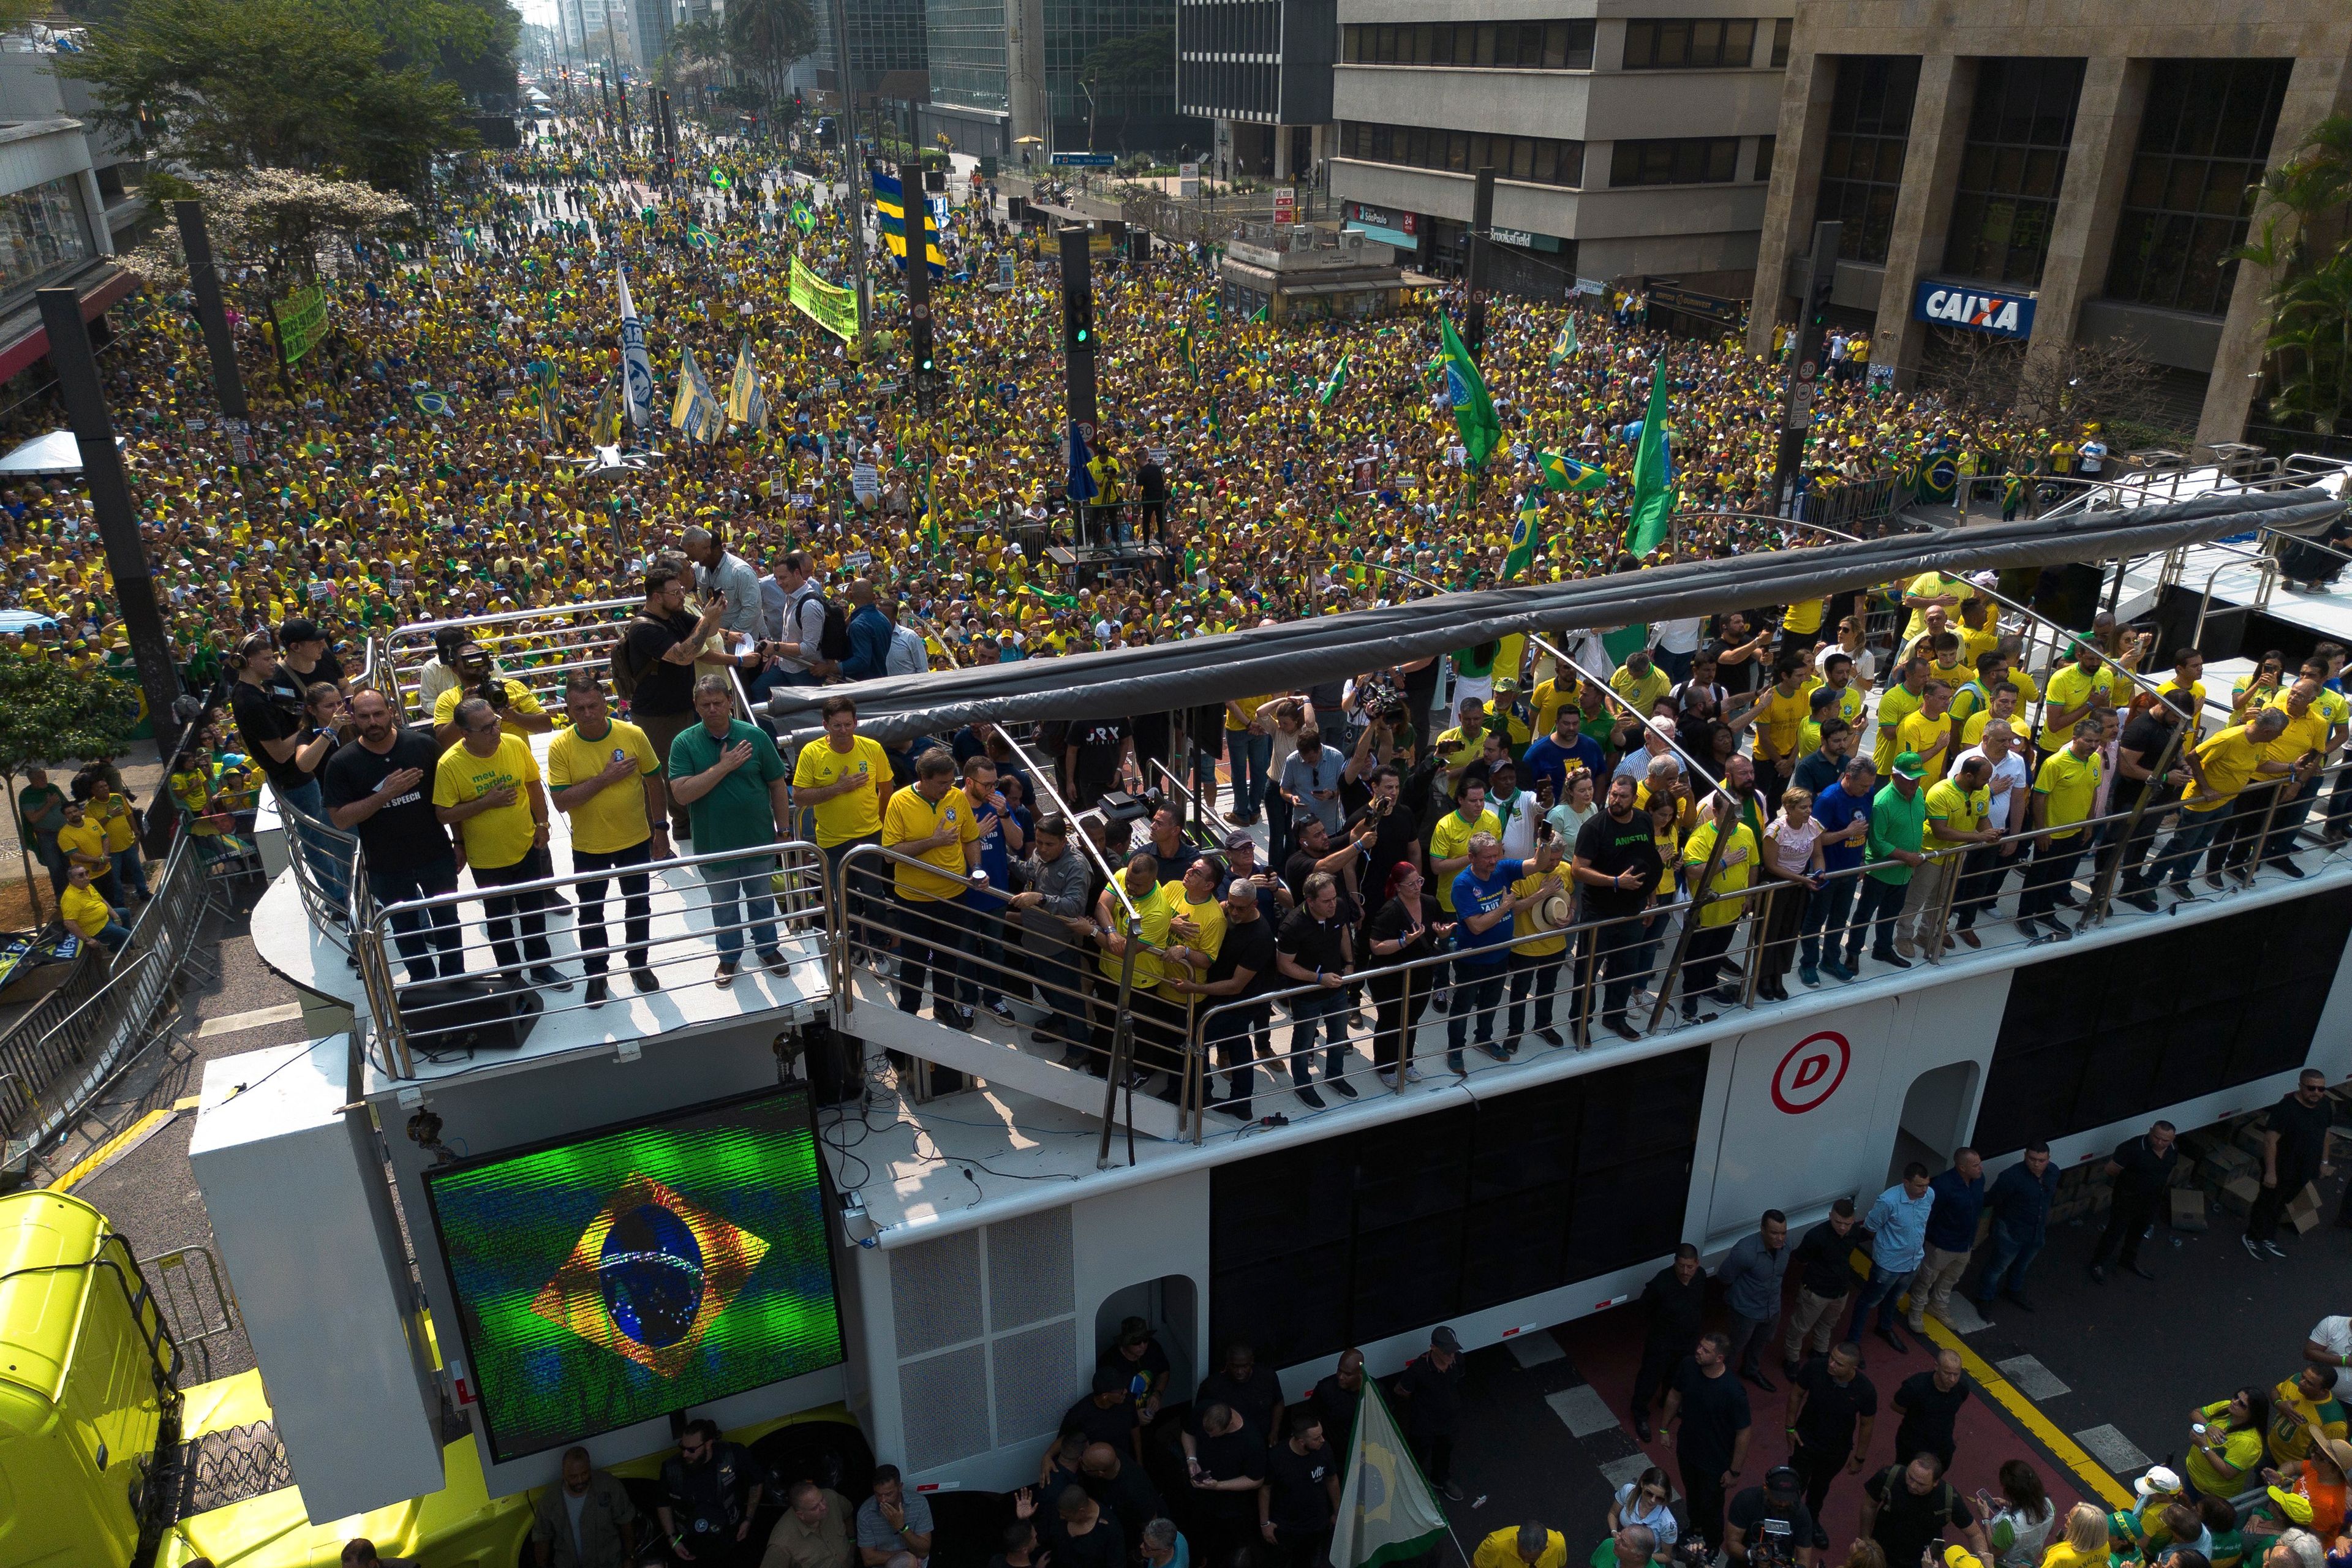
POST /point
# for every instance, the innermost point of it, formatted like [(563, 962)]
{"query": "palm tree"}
[(765, 38), (2305, 246)]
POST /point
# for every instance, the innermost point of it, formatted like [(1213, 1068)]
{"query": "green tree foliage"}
[(2304, 241), (765, 38), (52, 714), (1121, 71), (316, 85)]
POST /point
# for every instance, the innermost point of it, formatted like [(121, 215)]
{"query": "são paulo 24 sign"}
[(1972, 309)]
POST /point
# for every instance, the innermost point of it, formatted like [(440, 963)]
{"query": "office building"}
[(1005, 70), (1623, 147), (602, 32), (2004, 172), (1260, 71), (889, 49)]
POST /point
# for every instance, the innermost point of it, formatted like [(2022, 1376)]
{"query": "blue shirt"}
[(992, 859), (1751, 1277), (1834, 809), (1952, 1225), (1547, 759), (869, 645), (1301, 778), (1473, 896), (1897, 1224), (2020, 1202)]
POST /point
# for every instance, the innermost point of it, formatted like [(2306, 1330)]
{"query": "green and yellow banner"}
[(833, 308)]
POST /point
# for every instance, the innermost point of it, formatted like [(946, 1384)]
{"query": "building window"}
[(1676, 44), (2203, 140), (2010, 171), (1780, 30), (43, 234), (1862, 159), (1764, 146), (1674, 161), (1497, 46), (1538, 160)]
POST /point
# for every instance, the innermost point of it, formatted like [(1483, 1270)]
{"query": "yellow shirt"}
[(910, 817), (1642, 693), (1895, 705), (1249, 705), (1929, 586), (2229, 761), (1975, 644), (1972, 732), (116, 818), (1501, 1550), (853, 814), (89, 841), (1804, 619), (1209, 915), (1528, 939), (501, 836), (1152, 911), (518, 701), (2308, 733), (1549, 699), (1782, 721), (2067, 782), (1961, 810), (2068, 688), (85, 910), (1732, 873), (1450, 839), (613, 819), (1918, 732)]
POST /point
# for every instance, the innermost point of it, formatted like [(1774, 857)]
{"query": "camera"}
[(493, 691), (1381, 704)]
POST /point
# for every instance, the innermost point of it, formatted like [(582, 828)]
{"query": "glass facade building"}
[(44, 235), (2020, 128), (966, 48), (2203, 141)]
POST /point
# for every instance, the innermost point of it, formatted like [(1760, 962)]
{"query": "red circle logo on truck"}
[(1811, 1072)]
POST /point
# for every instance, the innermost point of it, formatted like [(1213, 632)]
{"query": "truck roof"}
[(48, 1242)]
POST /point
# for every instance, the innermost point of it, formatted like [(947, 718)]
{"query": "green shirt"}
[(736, 813), (1895, 823)]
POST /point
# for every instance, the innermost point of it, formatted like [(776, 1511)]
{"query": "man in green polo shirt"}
[(727, 773), (1898, 818)]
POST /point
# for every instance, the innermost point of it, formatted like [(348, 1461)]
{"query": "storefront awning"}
[(23, 339)]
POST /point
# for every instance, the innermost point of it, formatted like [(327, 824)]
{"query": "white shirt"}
[(1679, 637), (1518, 816), (2335, 1334), (2011, 768)]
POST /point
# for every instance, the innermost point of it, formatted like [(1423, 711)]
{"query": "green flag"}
[(1561, 472), (1331, 387), (1387, 1511), (1654, 472), (1522, 552), (1565, 345), (1473, 411)]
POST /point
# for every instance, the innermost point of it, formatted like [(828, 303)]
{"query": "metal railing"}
[(538, 648), (194, 1299), (674, 924), (330, 872), (22, 1078)]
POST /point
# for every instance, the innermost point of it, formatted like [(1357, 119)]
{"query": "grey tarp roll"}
[(1165, 677)]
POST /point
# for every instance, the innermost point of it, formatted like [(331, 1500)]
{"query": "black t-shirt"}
[(1249, 946), (404, 835), (707, 1498), (1241, 1452), (1301, 1503), (1115, 1425), (1612, 847), (1399, 831), (1907, 1521), (1788, 1529), (1675, 1307), (1714, 1413), (1256, 1399), (1149, 1368), (1832, 1408), (1928, 1413), (1314, 944), (1098, 744), (1102, 1547), (1339, 1407), (1435, 1397), (663, 689), (1823, 1262), (1389, 923), (2145, 1173), (2148, 736), (2303, 1133), (1126, 1498), (264, 715)]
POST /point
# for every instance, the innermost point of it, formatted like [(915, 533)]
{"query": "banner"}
[(746, 404), (1387, 1511), (301, 322), (636, 370), (835, 309), (890, 211)]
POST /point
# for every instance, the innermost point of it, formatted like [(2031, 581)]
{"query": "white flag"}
[(1387, 1511), (636, 368)]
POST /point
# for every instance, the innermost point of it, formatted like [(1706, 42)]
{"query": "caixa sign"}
[(1972, 308)]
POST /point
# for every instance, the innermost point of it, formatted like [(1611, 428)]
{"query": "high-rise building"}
[(1623, 146), (1261, 70), (1079, 75), (888, 51), (2048, 178), (586, 23)]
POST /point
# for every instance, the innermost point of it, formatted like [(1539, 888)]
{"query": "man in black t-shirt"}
[(1081, 1537), (380, 788), (1337, 1395), (1227, 1464), (1831, 1409), (1772, 1525), (1431, 1389), (1712, 1442), (1929, 1404), (1674, 1300), (1618, 866), (1302, 1493), (2142, 1171), (1116, 1481), (1252, 1393), (2295, 1150), (1094, 754), (1136, 1356), (1244, 971), (2145, 741), (1106, 1416), (1395, 835), (658, 650), (1906, 1506)]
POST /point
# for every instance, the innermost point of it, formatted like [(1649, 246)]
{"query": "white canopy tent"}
[(55, 453)]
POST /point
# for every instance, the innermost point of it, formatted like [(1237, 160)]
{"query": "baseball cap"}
[(2293, 1505), (1237, 839), (299, 630), (1909, 765), (1960, 1557), (1443, 1338), (1782, 1480), (2158, 1479)]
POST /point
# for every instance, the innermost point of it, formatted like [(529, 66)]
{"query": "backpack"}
[(833, 642), (625, 670)]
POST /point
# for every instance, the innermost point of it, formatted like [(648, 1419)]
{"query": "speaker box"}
[(836, 1074), (469, 1014)]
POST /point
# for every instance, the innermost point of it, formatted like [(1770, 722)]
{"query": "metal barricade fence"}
[(193, 1297), (327, 867), (538, 648), (57, 1073), (20, 1082)]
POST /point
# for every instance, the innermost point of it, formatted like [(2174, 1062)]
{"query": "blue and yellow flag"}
[(890, 204)]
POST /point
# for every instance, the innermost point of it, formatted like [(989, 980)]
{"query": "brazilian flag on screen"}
[(890, 203), (640, 1269)]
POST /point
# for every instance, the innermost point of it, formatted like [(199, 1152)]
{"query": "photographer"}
[(1770, 1527), (274, 729), (518, 711)]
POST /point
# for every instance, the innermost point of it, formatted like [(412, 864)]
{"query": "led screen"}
[(623, 1274)]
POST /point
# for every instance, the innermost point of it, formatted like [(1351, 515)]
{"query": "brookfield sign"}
[(1973, 310)]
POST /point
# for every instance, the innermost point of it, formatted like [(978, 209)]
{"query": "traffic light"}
[(1817, 297), (1078, 316), (919, 339)]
